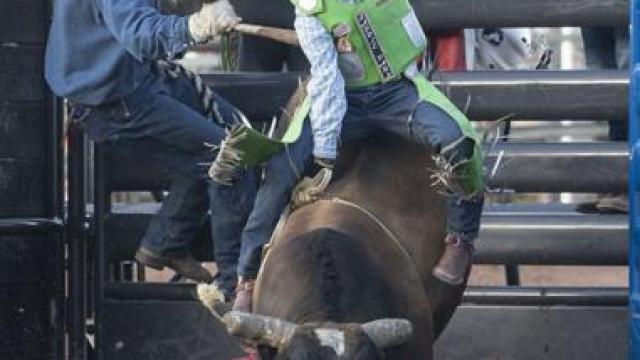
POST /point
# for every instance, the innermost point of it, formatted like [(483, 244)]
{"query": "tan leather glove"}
[(309, 189), (212, 19)]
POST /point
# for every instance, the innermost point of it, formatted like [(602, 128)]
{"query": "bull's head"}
[(319, 341)]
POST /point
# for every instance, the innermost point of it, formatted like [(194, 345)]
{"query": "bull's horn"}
[(265, 330), (388, 332)]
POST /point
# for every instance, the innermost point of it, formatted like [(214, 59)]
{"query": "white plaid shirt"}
[(326, 86)]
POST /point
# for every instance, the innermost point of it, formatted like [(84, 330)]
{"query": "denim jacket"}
[(101, 50)]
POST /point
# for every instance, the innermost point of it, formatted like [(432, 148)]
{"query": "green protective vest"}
[(376, 39), (385, 38)]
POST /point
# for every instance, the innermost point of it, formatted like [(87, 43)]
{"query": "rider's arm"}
[(326, 86), (143, 30)]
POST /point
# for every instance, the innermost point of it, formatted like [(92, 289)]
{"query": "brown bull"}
[(363, 253)]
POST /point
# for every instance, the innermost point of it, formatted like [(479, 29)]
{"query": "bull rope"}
[(340, 201), (370, 215)]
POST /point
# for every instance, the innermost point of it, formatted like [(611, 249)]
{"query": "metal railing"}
[(634, 187)]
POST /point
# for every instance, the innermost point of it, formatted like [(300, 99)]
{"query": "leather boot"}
[(455, 260), (244, 295), (613, 204), (185, 266)]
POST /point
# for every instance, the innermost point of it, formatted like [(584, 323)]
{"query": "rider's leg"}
[(398, 110), (281, 174)]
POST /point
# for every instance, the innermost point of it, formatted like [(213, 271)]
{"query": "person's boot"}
[(613, 204), (606, 204), (455, 260), (185, 266), (244, 295)]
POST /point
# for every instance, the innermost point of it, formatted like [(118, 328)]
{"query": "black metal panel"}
[(21, 73), (162, 330), (22, 190), (535, 333), (553, 239), (23, 159), (150, 291), (23, 21), (31, 267), (27, 322), (453, 14), (559, 167), (27, 260), (77, 239), (23, 124), (539, 95)]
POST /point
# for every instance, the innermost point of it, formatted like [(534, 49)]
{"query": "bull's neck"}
[(390, 178)]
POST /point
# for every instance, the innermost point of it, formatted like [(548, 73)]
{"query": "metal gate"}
[(134, 319), (634, 187)]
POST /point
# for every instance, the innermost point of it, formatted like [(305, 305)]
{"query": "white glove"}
[(309, 189), (212, 20)]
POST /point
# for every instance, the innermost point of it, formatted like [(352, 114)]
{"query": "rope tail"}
[(228, 160)]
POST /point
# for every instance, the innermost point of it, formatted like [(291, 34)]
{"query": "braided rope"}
[(203, 91), (228, 156)]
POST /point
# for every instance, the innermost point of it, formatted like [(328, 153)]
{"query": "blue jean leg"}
[(281, 174), (396, 109), (230, 208), (161, 121)]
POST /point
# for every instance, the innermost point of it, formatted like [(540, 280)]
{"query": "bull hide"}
[(333, 263)]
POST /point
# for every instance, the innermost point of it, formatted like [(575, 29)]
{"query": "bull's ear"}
[(388, 332), (264, 330)]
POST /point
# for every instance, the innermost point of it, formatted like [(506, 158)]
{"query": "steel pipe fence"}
[(634, 187), (453, 14), (484, 95), (544, 95)]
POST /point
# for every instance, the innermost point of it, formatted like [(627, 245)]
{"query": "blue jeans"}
[(608, 48), (281, 173), (385, 107), (163, 122), (395, 107)]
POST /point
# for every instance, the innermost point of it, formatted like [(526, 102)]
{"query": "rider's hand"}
[(212, 19), (309, 189)]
